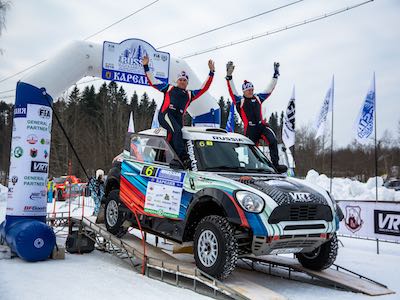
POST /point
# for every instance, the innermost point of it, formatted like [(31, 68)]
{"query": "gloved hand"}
[(276, 69), (229, 70), (145, 60), (211, 65)]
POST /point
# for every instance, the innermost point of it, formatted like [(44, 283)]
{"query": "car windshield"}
[(59, 180), (231, 157)]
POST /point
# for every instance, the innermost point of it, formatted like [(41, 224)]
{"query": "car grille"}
[(300, 212)]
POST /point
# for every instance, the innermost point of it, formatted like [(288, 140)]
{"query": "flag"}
[(323, 113), (155, 123), (365, 121), (230, 123), (131, 126), (288, 128)]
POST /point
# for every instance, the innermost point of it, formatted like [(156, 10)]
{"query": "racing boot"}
[(186, 161)]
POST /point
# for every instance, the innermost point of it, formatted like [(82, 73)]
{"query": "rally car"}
[(230, 202), (67, 187)]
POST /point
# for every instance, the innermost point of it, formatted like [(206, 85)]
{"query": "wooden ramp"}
[(335, 276), (242, 284)]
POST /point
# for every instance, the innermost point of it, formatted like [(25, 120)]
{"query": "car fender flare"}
[(113, 178), (232, 211)]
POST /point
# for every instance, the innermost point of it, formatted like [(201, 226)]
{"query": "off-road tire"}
[(113, 201), (227, 256), (321, 258)]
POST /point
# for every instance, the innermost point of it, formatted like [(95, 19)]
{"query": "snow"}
[(100, 275), (3, 193), (91, 276), (347, 189)]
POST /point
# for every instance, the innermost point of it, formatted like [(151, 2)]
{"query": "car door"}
[(148, 185)]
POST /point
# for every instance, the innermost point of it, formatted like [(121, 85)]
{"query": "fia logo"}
[(44, 112)]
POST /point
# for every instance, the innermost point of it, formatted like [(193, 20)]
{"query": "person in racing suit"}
[(249, 106), (176, 101)]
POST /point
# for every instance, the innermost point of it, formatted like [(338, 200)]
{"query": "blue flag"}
[(230, 123), (365, 122)]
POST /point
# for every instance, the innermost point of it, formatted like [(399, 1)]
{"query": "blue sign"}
[(123, 62)]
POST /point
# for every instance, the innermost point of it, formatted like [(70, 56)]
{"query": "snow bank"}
[(347, 189), (3, 193)]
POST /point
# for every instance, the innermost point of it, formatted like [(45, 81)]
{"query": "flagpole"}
[(333, 95), (376, 148)]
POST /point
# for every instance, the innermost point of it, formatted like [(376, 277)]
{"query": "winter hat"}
[(247, 85), (182, 75)]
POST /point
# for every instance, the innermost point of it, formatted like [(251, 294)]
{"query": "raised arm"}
[(268, 91), (231, 86), (154, 82), (206, 85)]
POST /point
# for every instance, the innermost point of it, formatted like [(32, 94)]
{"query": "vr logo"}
[(387, 222), (39, 166), (300, 196)]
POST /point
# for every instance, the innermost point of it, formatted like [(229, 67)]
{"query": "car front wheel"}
[(322, 257), (215, 247), (114, 217)]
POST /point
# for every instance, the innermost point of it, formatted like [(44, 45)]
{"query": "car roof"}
[(203, 133)]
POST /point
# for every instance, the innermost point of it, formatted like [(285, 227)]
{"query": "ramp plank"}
[(338, 278), (243, 281)]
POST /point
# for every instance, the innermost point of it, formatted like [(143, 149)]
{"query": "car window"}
[(150, 149)]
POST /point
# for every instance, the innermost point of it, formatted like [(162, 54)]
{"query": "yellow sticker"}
[(149, 171), (202, 144), (209, 143)]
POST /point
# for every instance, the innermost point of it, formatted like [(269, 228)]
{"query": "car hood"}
[(283, 190)]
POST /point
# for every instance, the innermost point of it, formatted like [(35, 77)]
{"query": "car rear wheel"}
[(114, 217), (215, 247), (322, 257)]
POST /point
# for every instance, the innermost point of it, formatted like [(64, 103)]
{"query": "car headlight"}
[(250, 202)]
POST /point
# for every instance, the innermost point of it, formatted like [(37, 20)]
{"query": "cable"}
[(119, 21), (22, 71), (293, 25), (3, 92), (90, 36), (230, 24)]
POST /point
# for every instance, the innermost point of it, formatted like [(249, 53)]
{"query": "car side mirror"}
[(175, 164)]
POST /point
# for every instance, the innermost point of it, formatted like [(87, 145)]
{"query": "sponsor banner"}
[(29, 160), (164, 191), (123, 62), (368, 219)]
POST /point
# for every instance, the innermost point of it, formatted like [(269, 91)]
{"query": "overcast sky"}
[(351, 46)]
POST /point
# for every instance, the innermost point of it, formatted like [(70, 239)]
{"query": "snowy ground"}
[(100, 275), (347, 189)]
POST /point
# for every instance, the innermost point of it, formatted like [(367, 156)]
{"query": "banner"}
[(288, 128), (123, 62), (323, 113), (365, 121), (155, 123), (369, 219), (230, 123), (29, 160), (131, 125)]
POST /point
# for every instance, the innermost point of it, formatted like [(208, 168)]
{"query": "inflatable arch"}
[(24, 228)]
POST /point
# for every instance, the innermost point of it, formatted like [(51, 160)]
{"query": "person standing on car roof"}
[(249, 106), (176, 101)]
